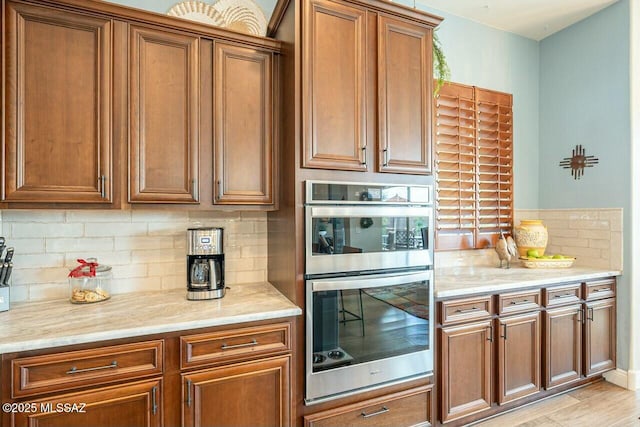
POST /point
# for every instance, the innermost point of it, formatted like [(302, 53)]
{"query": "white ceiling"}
[(534, 19)]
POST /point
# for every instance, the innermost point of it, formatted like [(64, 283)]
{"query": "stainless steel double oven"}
[(369, 286)]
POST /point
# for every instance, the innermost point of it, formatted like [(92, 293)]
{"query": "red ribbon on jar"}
[(81, 270)]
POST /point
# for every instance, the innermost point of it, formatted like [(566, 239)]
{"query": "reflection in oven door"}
[(367, 330)]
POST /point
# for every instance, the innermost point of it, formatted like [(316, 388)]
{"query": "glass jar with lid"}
[(90, 282)]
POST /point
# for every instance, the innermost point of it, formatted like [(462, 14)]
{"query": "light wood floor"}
[(599, 405)]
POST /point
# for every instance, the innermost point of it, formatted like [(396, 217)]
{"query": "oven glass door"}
[(367, 330), (361, 238)]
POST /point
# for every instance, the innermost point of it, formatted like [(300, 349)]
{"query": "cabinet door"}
[(562, 345), (58, 106), (466, 369), (163, 86), (333, 86), (404, 92), (136, 404), (600, 336), (518, 356), (249, 394), (243, 112)]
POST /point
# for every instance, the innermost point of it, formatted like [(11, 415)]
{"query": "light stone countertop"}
[(464, 281), (37, 325)]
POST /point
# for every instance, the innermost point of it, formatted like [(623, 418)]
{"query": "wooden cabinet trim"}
[(417, 411), (207, 349), (147, 393), (450, 406), (599, 289), (508, 348), (22, 184), (225, 143), (388, 160), (193, 384), (102, 365), (466, 309), (559, 348), (518, 302), (561, 295), (313, 155), (140, 190), (594, 331)]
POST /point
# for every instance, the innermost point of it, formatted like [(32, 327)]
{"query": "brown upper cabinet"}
[(243, 125), (404, 96), (57, 138), (163, 90), (103, 100), (361, 66), (334, 113)]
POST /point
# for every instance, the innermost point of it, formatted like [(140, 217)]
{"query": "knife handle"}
[(9, 256), (7, 275), (3, 271)]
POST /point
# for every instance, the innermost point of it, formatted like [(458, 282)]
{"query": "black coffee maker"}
[(205, 263)]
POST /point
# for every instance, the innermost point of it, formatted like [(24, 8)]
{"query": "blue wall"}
[(584, 99), (492, 59)]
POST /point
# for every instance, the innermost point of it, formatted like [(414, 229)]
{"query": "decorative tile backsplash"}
[(593, 236), (146, 248)]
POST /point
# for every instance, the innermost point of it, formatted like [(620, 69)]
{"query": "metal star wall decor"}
[(578, 161)]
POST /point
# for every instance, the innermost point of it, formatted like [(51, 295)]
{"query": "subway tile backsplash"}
[(593, 236), (146, 248)]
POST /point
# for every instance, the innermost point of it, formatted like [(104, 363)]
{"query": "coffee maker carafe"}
[(205, 264)]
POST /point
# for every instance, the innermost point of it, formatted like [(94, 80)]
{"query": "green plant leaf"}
[(441, 69)]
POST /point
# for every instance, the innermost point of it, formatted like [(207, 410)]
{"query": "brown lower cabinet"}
[(223, 376), (518, 356), (563, 345), (495, 351), (466, 369), (403, 409), (600, 336), (249, 394), (135, 404)]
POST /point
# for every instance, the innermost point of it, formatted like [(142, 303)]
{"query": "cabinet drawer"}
[(561, 295), (235, 344), (463, 310), (518, 302), (599, 289), (64, 371), (406, 408)]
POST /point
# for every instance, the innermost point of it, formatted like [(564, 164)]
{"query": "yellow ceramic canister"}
[(531, 234)]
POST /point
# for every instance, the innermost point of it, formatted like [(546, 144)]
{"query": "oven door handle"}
[(368, 211), (369, 281)]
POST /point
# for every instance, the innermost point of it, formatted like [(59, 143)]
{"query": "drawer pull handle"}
[(188, 393), (75, 370), (590, 311), (602, 290), (248, 344), (154, 403), (490, 336), (469, 310), (373, 414), (505, 331), (564, 295), (524, 301)]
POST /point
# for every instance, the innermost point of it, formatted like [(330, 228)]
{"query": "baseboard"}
[(633, 380), (618, 377)]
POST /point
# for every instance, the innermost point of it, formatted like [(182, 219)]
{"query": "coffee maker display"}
[(205, 264)]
